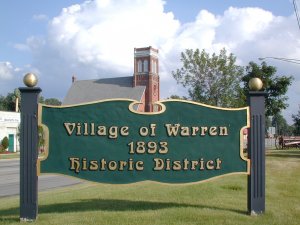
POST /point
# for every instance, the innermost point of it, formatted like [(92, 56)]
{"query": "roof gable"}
[(93, 90)]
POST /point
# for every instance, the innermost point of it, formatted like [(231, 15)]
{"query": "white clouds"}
[(238, 25), (11, 76), (199, 34), (6, 71), (21, 47), (40, 17), (97, 38), (103, 34)]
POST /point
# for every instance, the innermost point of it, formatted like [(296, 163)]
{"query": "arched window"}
[(145, 65), (154, 67), (140, 66)]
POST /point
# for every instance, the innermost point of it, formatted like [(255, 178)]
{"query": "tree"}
[(49, 101), (275, 86), (282, 127), (213, 80), (178, 97), (8, 103), (296, 119)]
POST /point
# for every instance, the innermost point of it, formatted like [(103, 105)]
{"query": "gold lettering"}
[(113, 132), (163, 147), (185, 131), (70, 128), (78, 129), (176, 165), (152, 127), (101, 130), (223, 131), (167, 164), (194, 164), (218, 164), (84, 164), (124, 131), (159, 164), (152, 147), (203, 131), (112, 165), (103, 164), (93, 165), (140, 147), (210, 165), (92, 129), (201, 164), (195, 130), (122, 164), (130, 165), (172, 130), (144, 131), (74, 164), (139, 166), (86, 133), (185, 164), (213, 131)]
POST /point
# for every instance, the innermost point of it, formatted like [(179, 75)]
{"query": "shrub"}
[(1, 149), (4, 143)]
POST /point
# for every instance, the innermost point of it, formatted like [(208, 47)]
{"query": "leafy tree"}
[(49, 101), (282, 127), (8, 103), (178, 97), (211, 79), (275, 86), (296, 119), (268, 122)]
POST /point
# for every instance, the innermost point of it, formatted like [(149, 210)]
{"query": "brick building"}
[(143, 86)]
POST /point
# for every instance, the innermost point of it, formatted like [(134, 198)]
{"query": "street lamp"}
[(296, 61)]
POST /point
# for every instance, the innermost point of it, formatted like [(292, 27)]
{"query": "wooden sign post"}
[(29, 149), (256, 151)]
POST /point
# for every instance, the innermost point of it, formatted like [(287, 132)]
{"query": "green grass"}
[(10, 156), (221, 201)]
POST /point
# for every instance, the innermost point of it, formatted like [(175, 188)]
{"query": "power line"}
[(296, 12), (296, 61)]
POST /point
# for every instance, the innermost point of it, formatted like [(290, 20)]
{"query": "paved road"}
[(10, 179)]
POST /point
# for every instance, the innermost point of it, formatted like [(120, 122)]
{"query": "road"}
[(10, 179)]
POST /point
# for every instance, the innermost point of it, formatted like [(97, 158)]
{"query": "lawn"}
[(9, 155), (220, 201)]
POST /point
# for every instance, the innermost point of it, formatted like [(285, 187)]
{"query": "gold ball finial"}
[(255, 84), (30, 80)]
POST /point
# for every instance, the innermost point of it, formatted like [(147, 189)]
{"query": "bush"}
[(4, 143), (1, 149)]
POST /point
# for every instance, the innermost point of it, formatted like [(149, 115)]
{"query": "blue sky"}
[(95, 39)]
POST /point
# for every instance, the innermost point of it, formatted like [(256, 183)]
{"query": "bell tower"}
[(146, 74)]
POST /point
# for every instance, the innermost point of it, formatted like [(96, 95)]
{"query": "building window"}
[(145, 65), (152, 69), (154, 66), (140, 66)]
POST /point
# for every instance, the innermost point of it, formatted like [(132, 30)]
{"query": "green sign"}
[(110, 142)]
